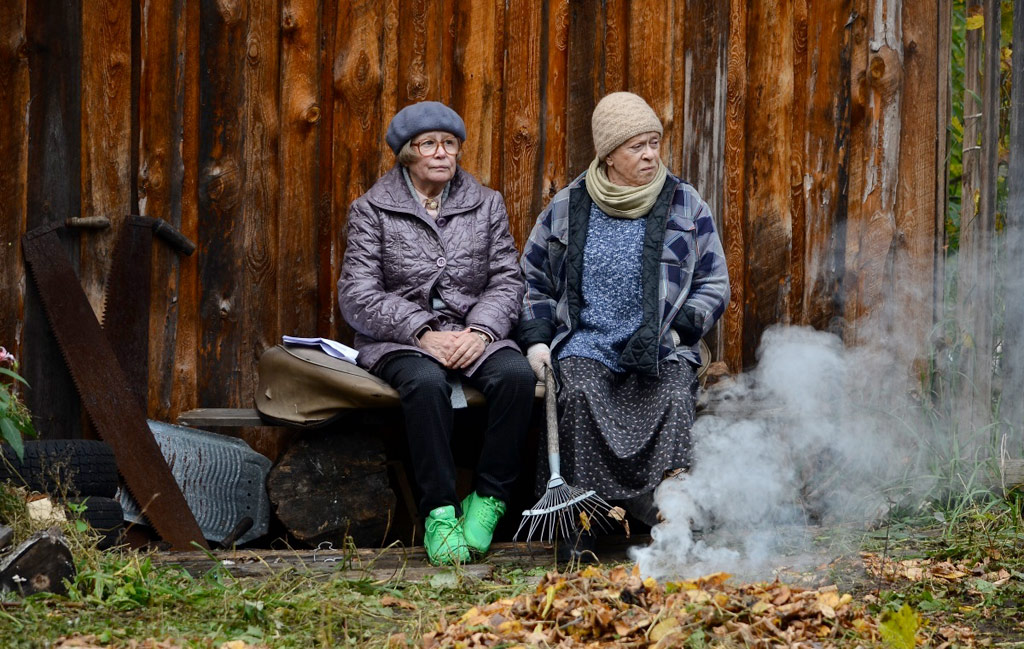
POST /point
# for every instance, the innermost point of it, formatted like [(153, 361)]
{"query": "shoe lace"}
[(490, 511), (442, 527)]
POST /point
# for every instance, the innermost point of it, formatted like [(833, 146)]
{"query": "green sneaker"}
[(480, 515), (443, 538)]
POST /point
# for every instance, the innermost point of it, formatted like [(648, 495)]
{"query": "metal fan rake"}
[(563, 508)]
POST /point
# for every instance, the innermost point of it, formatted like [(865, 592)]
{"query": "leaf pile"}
[(929, 570), (619, 609)]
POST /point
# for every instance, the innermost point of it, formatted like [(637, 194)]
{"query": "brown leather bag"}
[(304, 387)]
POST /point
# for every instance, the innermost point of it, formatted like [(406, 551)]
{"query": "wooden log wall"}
[(810, 128)]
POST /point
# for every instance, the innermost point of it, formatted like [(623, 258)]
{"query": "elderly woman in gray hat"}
[(431, 285), (625, 273)]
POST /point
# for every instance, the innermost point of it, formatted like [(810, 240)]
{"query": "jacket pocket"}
[(680, 246)]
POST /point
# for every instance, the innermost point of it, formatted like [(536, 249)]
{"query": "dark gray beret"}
[(419, 118)]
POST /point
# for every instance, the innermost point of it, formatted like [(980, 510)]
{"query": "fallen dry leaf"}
[(391, 601)]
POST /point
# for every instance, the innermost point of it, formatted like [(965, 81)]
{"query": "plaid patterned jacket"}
[(684, 277)]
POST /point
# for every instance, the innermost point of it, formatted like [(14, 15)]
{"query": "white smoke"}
[(813, 436)]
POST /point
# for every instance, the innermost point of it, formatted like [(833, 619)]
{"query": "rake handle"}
[(551, 415)]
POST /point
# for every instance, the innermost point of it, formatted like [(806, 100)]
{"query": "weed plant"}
[(121, 596)]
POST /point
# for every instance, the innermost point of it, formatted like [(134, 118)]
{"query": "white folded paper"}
[(329, 347)]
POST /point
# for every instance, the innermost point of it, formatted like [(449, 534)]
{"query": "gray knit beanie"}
[(620, 116), (421, 117)]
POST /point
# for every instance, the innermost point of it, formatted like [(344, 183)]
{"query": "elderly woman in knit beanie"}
[(625, 273), (432, 287)]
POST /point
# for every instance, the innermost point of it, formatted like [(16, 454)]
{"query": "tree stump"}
[(331, 484), (41, 564)]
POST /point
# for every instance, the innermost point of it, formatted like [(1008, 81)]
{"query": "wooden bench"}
[(357, 501), (221, 418)]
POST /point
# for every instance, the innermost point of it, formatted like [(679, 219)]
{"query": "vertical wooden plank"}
[(615, 47), (425, 28), (826, 157), (861, 120), (798, 208), (701, 43), (476, 87), (768, 216), (301, 115), (943, 118), (222, 163), (555, 94), (584, 87), (159, 183), (357, 98), (261, 139), (703, 32), (326, 308), (14, 101), (106, 134), (651, 65), (984, 298), (921, 152), (391, 96), (974, 233), (521, 175), (734, 238), (1012, 410), (53, 193), (186, 357), (358, 94), (872, 236)]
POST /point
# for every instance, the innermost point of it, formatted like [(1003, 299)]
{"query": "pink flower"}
[(6, 357)]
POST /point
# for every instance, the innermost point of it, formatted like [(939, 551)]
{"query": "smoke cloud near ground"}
[(815, 436)]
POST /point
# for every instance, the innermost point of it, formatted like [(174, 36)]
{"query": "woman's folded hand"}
[(455, 349), (468, 347)]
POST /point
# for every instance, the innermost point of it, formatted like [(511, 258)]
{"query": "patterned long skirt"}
[(619, 433)]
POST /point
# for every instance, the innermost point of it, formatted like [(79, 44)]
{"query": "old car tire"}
[(75, 467), (104, 515)]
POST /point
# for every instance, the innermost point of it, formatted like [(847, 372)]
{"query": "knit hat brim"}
[(420, 118), (620, 116)]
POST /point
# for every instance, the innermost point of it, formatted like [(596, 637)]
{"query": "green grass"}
[(121, 596)]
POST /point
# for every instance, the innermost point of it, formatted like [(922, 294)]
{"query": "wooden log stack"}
[(329, 485)]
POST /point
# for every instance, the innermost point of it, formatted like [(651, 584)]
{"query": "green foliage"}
[(899, 628), (958, 53), (15, 420)]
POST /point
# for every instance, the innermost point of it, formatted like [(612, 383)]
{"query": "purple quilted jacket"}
[(396, 255)]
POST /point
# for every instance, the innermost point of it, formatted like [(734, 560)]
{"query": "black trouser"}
[(508, 383)]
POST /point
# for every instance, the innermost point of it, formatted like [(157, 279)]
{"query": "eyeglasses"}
[(428, 147)]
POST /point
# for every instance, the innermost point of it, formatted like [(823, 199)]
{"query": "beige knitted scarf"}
[(620, 201)]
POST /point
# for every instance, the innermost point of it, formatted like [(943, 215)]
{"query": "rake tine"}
[(561, 505)]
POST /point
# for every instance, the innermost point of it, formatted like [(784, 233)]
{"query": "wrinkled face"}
[(437, 167), (635, 162)]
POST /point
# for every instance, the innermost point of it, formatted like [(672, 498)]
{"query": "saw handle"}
[(551, 416), (89, 222), (173, 237)]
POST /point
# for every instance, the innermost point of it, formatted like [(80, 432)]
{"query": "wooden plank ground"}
[(393, 563)]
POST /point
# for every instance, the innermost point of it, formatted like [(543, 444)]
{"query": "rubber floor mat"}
[(222, 478)]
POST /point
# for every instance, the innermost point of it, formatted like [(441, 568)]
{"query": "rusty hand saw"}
[(103, 387)]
